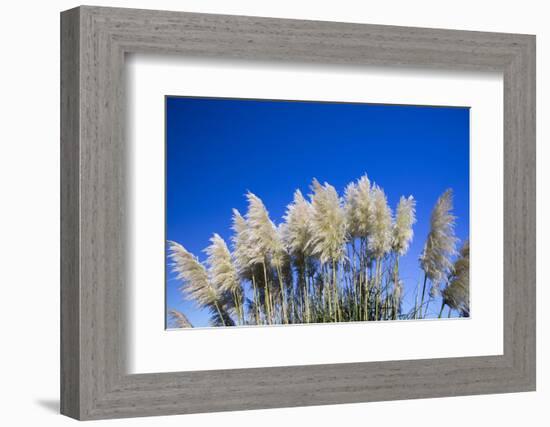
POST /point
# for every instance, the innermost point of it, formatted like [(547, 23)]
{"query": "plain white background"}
[(29, 213)]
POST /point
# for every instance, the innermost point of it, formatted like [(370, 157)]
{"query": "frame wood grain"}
[(94, 42)]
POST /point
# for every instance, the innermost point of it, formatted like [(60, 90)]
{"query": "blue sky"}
[(218, 149)]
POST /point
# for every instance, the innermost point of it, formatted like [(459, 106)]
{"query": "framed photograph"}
[(261, 213)]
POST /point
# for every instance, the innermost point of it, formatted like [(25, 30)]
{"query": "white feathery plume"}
[(179, 319), (264, 239), (223, 274), (359, 208), (194, 276), (296, 230), (404, 220), (280, 258), (243, 254), (440, 244), (380, 240), (328, 223), (457, 294), (351, 210), (242, 251)]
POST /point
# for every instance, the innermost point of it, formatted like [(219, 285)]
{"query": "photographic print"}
[(308, 212)]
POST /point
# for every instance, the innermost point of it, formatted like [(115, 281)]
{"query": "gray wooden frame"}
[(94, 382)]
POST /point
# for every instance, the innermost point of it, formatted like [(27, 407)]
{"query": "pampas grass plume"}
[(179, 319), (193, 274), (222, 272), (402, 229), (381, 237), (457, 294), (359, 208), (296, 230), (264, 239), (328, 223), (440, 245)]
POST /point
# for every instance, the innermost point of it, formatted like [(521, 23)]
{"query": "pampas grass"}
[(196, 284), (296, 233), (264, 242), (223, 274), (242, 253), (222, 271), (402, 235), (381, 237), (296, 230), (267, 249), (328, 225), (178, 320), (380, 240), (403, 227), (359, 207), (332, 259), (457, 294), (440, 245), (192, 273)]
